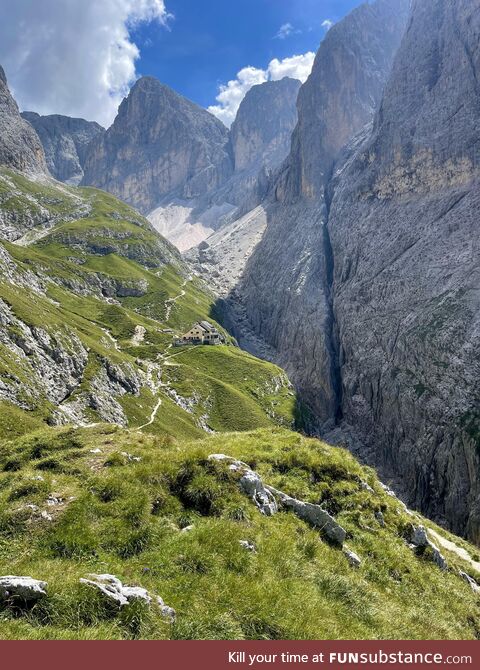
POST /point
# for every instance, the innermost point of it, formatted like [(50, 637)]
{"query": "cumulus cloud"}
[(327, 24), (70, 57), (232, 93)]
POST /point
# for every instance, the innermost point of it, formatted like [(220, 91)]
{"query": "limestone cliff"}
[(286, 285), (178, 163), (366, 279), (404, 237), (65, 141), (20, 147), (260, 135), (160, 145)]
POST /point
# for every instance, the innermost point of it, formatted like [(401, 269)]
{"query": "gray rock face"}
[(312, 514), (421, 541), (260, 135), (286, 285), (342, 92), (404, 236), (366, 279), (178, 163), (65, 141), (20, 147), (159, 145)]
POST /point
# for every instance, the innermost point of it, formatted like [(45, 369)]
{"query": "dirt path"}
[(152, 415), (111, 338), (166, 359), (455, 549), (171, 301)]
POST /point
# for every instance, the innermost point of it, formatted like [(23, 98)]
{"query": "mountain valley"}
[(316, 474)]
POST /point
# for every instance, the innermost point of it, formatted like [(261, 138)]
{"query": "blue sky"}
[(80, 57), (209, 41)]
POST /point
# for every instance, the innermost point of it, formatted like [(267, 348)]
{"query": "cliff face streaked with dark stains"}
[(404, 233), (287, 282), (366, 280)]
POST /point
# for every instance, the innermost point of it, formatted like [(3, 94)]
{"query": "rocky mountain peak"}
[(20, 147), (159, 145), (65, 141), (342, 92), (260, 135)]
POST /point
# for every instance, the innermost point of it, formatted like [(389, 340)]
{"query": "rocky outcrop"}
[(20, 590), (20, 147), (119, 595), (421, 543), (48, 365), (260, 135), (269, 500), (65, 141), (160, 145), (312, 514)]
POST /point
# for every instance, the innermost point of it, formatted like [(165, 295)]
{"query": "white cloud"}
[(284, 31), (232, 93), (327, 24), (70, 57)]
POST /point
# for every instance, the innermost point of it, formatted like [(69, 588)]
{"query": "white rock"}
[(113, 589), (419, 537), (24, 588), (109, 585), (312, 514), (265, 497), (130, 457), (252, 485), (249, 546), (353, 558), (473, 584)]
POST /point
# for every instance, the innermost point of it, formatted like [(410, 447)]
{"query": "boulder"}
[(251, 484), (470, 581), (119, 595), (25, 589), (312, 514), (353, 558), (419, 537), (419, 540)]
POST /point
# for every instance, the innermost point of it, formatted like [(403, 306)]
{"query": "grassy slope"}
[(126, 518), (111, 250)]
